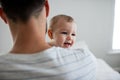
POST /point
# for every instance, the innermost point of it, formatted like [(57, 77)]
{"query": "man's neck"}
[(30, 38)]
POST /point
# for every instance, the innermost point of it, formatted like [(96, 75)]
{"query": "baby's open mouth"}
[(66, 44)]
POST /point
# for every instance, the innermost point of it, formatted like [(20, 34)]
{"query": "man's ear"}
[(2, 15), (50, 34), (47, 8)]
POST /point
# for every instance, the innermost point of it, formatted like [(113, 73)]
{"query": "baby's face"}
[(64, 35)]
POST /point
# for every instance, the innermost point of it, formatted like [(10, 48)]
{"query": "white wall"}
[(95, 25), (5, 37)]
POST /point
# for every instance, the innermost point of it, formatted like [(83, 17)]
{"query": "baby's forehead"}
[(64, 25), (65, 28)]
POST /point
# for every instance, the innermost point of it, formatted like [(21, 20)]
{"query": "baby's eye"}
[(73, 34), (63, 32)]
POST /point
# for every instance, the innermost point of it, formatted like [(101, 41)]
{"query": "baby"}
[(62, 31)]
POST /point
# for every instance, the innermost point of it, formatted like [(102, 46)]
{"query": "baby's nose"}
[(69, 37)]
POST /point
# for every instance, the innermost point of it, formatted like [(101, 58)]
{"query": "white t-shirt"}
[(52, 64)]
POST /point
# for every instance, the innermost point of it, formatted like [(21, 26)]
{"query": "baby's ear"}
[(50, 34)]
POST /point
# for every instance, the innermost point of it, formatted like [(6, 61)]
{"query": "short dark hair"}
[(21, 9)]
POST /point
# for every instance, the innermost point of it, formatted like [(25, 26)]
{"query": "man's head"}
[(26, 20), (22, 10), (62, 30)]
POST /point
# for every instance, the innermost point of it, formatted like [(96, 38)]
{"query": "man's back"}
[(52, 64)]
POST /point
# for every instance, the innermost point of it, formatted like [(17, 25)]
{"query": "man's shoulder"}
[(69, 51)]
